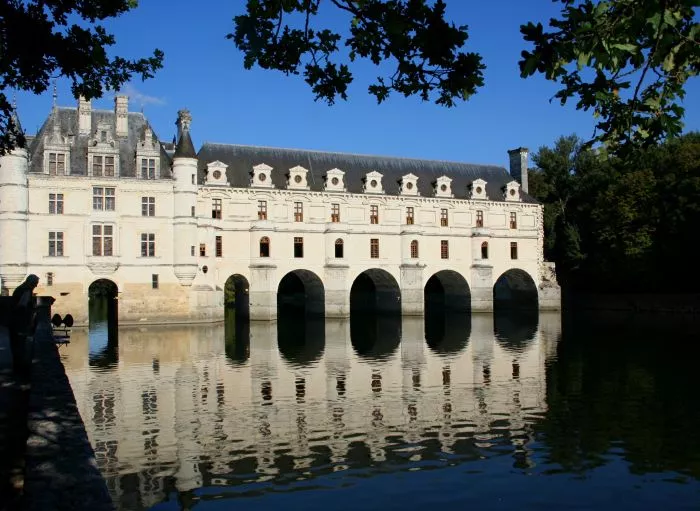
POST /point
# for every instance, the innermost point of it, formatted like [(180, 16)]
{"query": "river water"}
[(490, 412)]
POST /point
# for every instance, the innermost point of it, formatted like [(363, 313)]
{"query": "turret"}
[(518, 166), (13, 213), (185, 201)]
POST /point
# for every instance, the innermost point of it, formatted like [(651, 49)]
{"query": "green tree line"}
[(621, 224)]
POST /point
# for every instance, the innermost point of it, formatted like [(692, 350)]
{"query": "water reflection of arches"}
[(375, 336), (236, 296), (447, 333), (301, 292), (103, 322), (236, 337), (447, 290), (515, 289), (375, 291), (300, 339), (515, 328)]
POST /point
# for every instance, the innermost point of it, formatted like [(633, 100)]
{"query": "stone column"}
[(412, 289), (263, 298), (336, 290)]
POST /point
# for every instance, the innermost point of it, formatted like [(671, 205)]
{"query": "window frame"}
[(102, 237), (106, 201), (202, 250), (155, 284), (148, 206), (335, 213), (264, 242), (148, 168), (414, 249), (57, 156), (514, 250), (103, 163), (374, 214), (262, 210), (56, 239), (55, 203), (444, 249), (410, 215), (339, 247), (479, 218), (217, 205), (513, 220), (148, 244), (219, 246), (485, 250), (298, 247), (298, 211), (374, 248), (444, 218)]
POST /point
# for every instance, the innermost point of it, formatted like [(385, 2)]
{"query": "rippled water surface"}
[(494, 413)]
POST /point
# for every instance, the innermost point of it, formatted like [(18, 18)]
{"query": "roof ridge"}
[(343, 153)]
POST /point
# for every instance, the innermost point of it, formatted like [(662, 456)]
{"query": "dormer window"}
[(216, 173), (57, 164), (408, 185), (148, 168), (442, 187), (261, 175), (335, 181), (103, 166), (512, 192), (296, 179), (373, 183), (478, 189)]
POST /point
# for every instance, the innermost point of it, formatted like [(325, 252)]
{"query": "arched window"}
[(339, 248), (485, 250), (264, 246), (414, 249)]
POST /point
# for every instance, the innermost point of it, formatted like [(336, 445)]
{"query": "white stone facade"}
[(186, 222)]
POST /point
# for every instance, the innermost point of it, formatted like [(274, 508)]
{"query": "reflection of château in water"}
[(178, 409)]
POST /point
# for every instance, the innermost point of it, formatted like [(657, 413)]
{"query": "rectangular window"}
[(216, 205), (102, 239), (55, 244), (154, 281), (192, 211), (103, 166), (262, 210), (148, 245), (219, 246), (103, 199), (335, 213), (339, 246), (444, 249), (298, 211), (148, 168), (202, 250), (374, 248), (414, 249), (49, 279), (374, 214), (513, 250), (192, 250), (148, 206), (443, 218), (192, 178), (57, 164), (513, 220), (409, 216), (479, 218), (298, 247), (56, 203)]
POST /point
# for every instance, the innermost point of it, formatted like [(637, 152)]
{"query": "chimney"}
[(518, 166), (84, 116), (121, 112)]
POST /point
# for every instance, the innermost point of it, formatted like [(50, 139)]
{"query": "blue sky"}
[(203, 71)]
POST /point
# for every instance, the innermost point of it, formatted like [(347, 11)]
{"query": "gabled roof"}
[(242, 158)]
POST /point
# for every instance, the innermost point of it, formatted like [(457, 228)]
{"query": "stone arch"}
[(449, 291), (515, 289), (375, 291), (236, 295), (301, 292), (103, 321)]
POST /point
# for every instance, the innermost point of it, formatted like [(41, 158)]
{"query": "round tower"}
[(14, 200), (185, 201)]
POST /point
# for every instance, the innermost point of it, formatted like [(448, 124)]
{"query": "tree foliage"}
[(43, 39), (412, 34), (627, 60), (621, 224)]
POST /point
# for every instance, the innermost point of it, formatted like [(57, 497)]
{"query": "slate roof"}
[(242, 158), (68, 119)]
